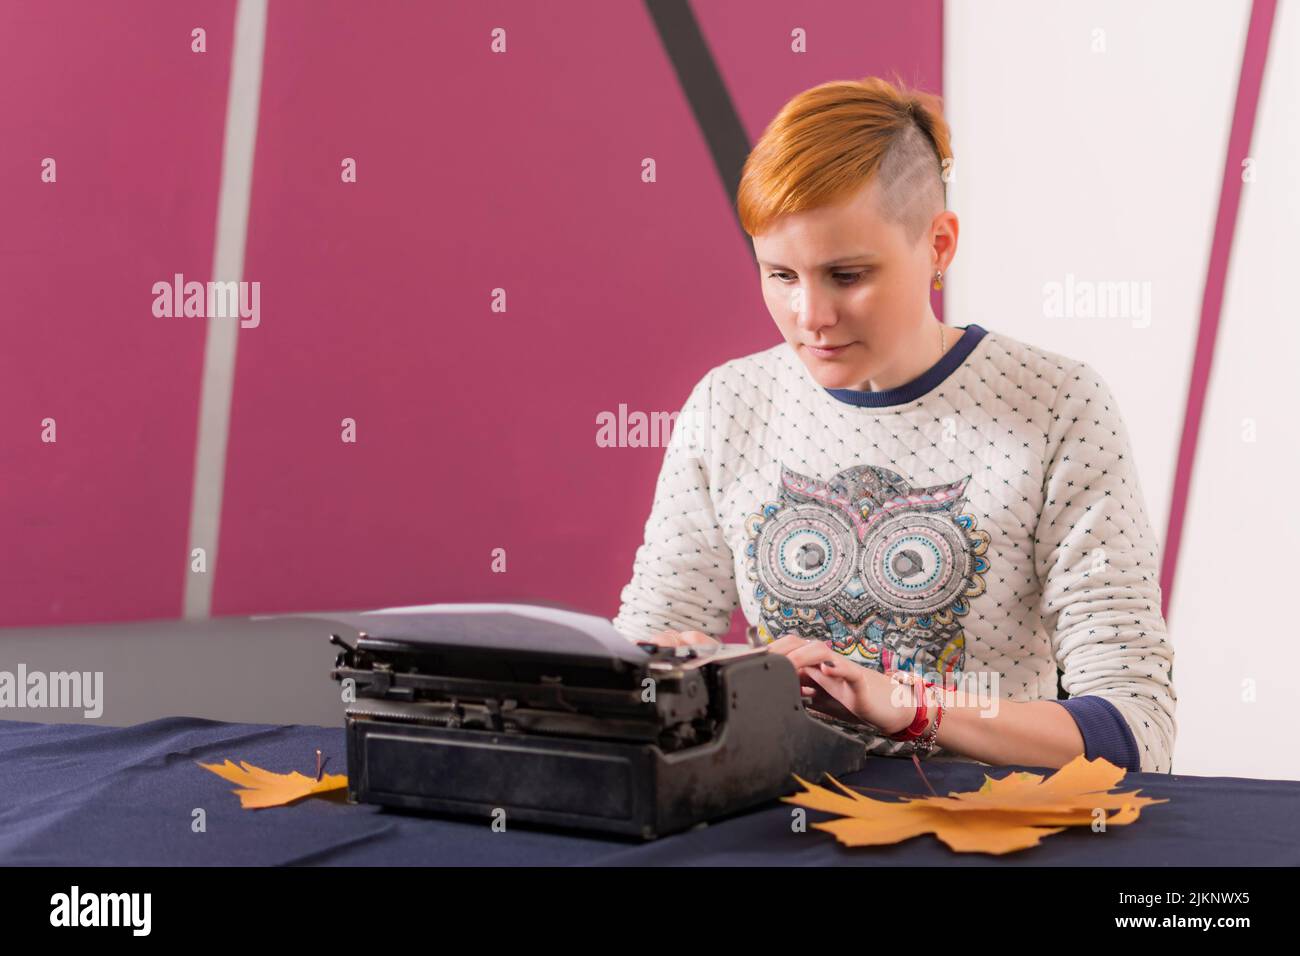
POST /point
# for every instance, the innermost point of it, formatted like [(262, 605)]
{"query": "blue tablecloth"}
[(76, 794)]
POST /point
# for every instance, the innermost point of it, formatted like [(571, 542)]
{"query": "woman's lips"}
[(827, 352)]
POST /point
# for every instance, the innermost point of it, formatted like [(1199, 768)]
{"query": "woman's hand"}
[(680, 638), (843, 688)]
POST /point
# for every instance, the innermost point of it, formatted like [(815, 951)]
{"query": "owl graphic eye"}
[(915, 563), (806, 554)]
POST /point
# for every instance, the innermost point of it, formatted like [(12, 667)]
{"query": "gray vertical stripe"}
[(227, 265)]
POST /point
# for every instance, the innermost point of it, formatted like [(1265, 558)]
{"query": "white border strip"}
[(227, 265)]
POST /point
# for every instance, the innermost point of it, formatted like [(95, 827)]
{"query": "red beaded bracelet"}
[(917, 727)]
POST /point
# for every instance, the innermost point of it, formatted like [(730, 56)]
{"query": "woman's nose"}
[(813, 311)]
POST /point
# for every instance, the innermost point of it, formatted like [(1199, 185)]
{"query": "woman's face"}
[(844, 276)]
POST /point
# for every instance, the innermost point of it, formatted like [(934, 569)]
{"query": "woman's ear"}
[(943, 241)]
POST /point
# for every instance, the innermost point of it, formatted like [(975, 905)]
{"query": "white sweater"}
[(984, 519)]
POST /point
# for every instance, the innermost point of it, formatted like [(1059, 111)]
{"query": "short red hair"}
[(828, 141)]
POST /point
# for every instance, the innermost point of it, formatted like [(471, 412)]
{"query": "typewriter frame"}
[(573, 741)]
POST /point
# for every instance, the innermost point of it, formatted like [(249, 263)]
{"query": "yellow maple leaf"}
[(262, 788), (1011, 813)]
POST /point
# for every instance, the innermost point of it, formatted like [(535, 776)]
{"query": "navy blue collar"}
[(923, 383)]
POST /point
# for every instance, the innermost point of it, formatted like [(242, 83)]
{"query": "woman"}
[(927, 522)]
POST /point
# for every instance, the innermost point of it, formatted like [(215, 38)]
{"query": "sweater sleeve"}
[(1098, 572), (1104, 730), (682, 575)]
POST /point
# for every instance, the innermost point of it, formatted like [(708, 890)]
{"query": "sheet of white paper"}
[(598, 627), (600, 630)]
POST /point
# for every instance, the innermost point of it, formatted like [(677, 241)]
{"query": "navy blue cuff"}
[(1105, 731)]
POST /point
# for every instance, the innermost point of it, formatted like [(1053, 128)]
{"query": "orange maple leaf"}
[(262, 788), (1011, 813)]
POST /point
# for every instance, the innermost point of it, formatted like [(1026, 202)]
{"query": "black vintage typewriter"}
[(553, 717)]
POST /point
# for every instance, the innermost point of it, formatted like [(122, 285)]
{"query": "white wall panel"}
[(1089, 141), (1240, 561)]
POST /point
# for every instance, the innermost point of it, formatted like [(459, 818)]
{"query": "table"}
[(81, 794)]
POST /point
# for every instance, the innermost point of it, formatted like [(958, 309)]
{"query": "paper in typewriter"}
[(498, 626)]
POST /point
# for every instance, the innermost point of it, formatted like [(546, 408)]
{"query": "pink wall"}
[(93, 527), (476, 430)]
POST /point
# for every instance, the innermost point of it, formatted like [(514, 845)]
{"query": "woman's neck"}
[(931, 341)]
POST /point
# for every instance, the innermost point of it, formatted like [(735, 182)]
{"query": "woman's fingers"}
[(821, 657), (789, 642), (786, 643), (679, 638), (830, 695), (810, 653), (822, 675), (667, 639), (698, 637)]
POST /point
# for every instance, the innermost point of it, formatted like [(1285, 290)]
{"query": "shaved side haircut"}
[(827, 142)]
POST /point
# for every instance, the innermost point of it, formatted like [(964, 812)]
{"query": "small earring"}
[(938, 280)]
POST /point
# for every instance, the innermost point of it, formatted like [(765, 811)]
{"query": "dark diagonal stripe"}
[(698, 75)]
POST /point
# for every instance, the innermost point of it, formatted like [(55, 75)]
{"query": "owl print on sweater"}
[(882, 569)]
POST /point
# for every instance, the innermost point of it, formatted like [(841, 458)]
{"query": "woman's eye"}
[(840, 277)]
